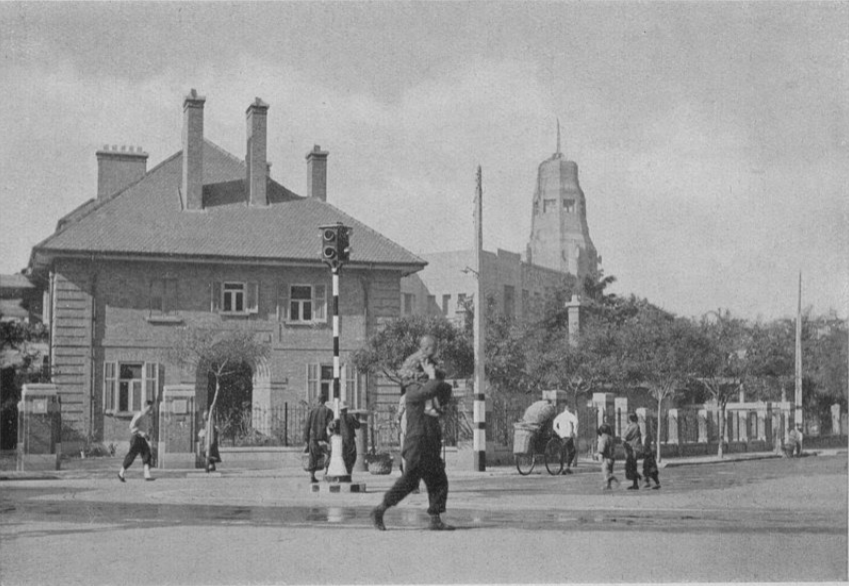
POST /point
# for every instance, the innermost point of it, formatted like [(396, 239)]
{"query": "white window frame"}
[(317, 382), (139, 390), (316, 301), (234, 291)]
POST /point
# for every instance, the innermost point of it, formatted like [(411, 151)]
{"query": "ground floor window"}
[(320, 380), (127, 385)]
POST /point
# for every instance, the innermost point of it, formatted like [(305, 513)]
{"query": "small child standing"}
[(605, 454), (650, 470)]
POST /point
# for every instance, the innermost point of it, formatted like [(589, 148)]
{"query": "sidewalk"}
[(76, 468)]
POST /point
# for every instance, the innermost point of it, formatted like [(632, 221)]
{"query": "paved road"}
[(765, 520)]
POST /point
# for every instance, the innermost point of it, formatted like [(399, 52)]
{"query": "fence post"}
[(286, 424)]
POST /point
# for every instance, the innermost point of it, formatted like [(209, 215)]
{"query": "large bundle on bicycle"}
[(535, 421), (524, 437)]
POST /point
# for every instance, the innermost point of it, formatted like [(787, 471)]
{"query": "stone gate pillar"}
[(673, 427), (835, 419), (39, 428), (703, 426)]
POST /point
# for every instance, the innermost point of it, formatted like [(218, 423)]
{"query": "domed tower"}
[(560, 236)]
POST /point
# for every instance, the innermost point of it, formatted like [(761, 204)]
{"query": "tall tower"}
[(560, 236)]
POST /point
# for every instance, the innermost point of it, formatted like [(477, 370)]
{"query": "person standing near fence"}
[(348, 426), (315, 431), (211, 456), (632, 441), (139, 444), (421, 451), (566, 426)]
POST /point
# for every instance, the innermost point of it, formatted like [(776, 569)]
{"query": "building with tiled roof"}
[(204, 238)]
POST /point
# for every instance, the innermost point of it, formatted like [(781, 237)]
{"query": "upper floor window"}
[(569, 205), (163, 297), (548, 204), (235, 297), (302, 303), (446, 301)]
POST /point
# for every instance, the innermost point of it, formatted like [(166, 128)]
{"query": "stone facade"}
[(102, 315)]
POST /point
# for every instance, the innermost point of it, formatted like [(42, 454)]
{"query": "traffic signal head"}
[(330, 244), (344, 247)]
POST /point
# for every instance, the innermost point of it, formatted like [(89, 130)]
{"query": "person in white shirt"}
[(139, 442), (566, 427)]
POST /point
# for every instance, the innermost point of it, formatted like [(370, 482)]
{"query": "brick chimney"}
[(116, 169), (317, 173), (255, 159), (191, 192)]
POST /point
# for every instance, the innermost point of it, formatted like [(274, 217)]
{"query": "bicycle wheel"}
[(553, 457), (524, 463)]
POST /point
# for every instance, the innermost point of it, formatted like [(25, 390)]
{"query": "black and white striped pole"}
[(479, 405), (335, 251)]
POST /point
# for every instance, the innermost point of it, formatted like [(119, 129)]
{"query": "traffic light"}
[(330, 244), (344, 244)]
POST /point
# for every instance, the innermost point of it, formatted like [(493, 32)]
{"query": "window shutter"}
[(312, 382), (319, 303), (110, 385), (151, 381), (282, 301), (252, 305), (215, 296)]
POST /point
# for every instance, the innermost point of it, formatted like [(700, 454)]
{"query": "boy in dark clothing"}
[(315, 431), (632, 442), (650, 469), (348, 426)]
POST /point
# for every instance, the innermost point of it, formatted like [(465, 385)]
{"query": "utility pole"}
[(798, 416), (479, 408)]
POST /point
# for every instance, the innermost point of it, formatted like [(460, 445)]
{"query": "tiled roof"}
[(147, 219), (15, 281)]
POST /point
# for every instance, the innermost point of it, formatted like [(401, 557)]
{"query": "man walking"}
[(566, 427), (422, 446), (139, 444), (315, 431)]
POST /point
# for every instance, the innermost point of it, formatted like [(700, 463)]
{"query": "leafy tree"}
[(660, 352), (20, 363), (725, 362), (825, 346), (218, 353), (386, 350)]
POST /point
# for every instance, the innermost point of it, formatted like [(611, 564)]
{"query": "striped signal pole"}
[(798, 362), (335, 253), (479, 406)]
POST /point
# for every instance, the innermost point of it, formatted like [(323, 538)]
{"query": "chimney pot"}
[(191, 193), (118, 169), (256, 157), (317, 173)]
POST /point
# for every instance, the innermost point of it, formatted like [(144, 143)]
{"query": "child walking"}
[(650, 470), (604, 452)]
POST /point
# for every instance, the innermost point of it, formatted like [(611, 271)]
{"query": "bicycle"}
[(526, 451)]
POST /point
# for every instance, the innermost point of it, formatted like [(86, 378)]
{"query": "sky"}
[(712, 139)]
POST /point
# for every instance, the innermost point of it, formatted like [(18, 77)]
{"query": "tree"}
[(725, 363), (218, 353), (21, 362), (660, 352), (386, 350)]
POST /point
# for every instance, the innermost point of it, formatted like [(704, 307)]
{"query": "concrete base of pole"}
[(338, 487)]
